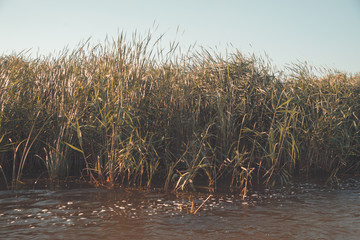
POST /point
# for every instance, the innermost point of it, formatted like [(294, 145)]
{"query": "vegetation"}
[(132, 113)]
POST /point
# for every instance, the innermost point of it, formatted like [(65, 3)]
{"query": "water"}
[(304, 211)]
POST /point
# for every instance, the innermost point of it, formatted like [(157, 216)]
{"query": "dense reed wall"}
[(129, 112)]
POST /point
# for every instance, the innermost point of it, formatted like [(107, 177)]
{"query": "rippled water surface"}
[(303, 211)]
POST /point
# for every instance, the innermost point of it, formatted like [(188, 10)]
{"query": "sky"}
[(324, 33)]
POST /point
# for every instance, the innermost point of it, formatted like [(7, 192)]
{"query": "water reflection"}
[(303, 211)]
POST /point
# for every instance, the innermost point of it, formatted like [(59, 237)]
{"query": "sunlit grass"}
[(132, 113)]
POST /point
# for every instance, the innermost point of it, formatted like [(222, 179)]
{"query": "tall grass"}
[(130, 112)]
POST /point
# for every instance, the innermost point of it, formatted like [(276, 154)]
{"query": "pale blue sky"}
[(322, 32)]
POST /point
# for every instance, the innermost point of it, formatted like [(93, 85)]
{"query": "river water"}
[(301, 211)]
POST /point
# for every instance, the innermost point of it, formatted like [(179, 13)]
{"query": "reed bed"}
[(128, 112)]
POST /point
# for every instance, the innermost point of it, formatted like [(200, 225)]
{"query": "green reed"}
[(133, 113)]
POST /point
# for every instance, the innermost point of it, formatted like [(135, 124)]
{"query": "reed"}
[(133, 113)]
